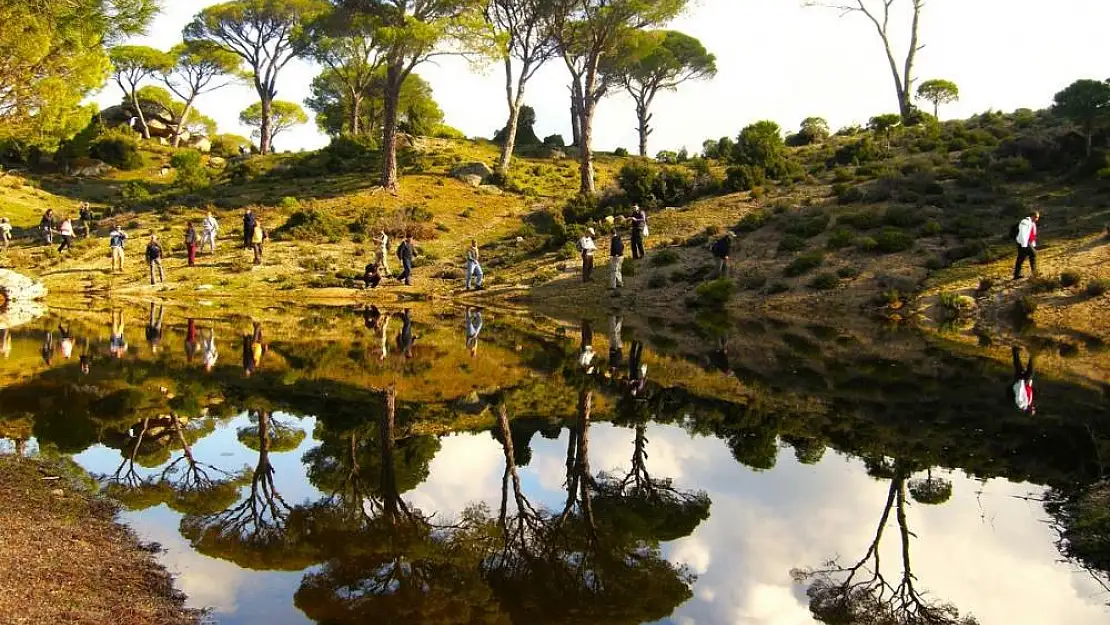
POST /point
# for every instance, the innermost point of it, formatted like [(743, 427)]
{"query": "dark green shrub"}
[(657, 281), (621, 152), (664, 258), (554, 142), (760, 145), (227, 145), (824, 281), (807, 226), (1096, 287), (892, 240), (191, 173), (865, 220), (840, 238), (867, 244), (934, 263), (843, 174), (1069, 279), (311, 225), (117, 148), (848, 272), (135, 191), (777, 287), (1044, 284), (849, 194), (744, 178), (863, 150), (902, 217), (804, 264), (753, 280), (752, 221), (581, 209), (931, 228), (714, 294), (791, 243)]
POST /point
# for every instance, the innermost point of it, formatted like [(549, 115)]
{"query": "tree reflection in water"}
[(859, 594)]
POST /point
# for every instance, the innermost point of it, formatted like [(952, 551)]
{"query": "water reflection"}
[(497, 469)]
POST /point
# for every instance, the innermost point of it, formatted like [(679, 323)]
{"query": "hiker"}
[(405, 252), (5, 233), (637, 371), (66, 232), (253, 350), (48, 349), (473, 329), (116, 237), (371, 317), (1026, 238), (616, 345), (474, 266), (587, 247), (718, 358), (191, 344), (249, 221), (639, 231), (86, 218), (616, 261), (67, 341), (210, 228), (46, 226), (117, 344), (722, 250), (406, 339), (382, 253), (586, 348), (1022, 389), (191, 243), (154, 258), (208, 346), (258, 237), (372, 277), (154, 329)]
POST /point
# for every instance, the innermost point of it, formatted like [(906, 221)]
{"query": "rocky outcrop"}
[(18, 295), (468, 171), (90, 168)]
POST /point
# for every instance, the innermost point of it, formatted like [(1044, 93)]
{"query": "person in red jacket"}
[(1022, 389), (1027, 244)]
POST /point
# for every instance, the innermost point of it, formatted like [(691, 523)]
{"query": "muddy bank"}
[(64, 559)]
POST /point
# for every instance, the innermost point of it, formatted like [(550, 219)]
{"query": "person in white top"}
[(66, 232), (5, 233), (209, 228), (381, 255), (208, 345), (67, 341), (1027, 244), (587, 247), (473, 329)]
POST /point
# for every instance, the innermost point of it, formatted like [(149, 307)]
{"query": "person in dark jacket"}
[(154, 258), (46, 226), (191, 240), (639, 230), (405, 253), (616, 260), (406, 339), (249, 222), (722, 250), (86, 218), (372, 276)]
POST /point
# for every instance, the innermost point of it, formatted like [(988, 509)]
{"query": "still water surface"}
[(521, 471)]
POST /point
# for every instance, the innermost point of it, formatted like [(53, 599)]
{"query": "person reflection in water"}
[(48, 349), (586, 353), (86, 358), (5, 343), (473, 329), (154, 329), (616, 345), (253, 350), (66, 342), (208, 346), (117, 345), (718, 359), (371, 316), (406, 339), (637, 370), (1022, 389), (191, 345)]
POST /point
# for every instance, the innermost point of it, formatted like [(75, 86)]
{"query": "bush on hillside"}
[(892, 240), (1097, 287), (664, 258), (753, 221), (554, 141), (840, 238), (1069, 279), (804, 264), (118, 148), (620, 152), (191, 173), (760, 145), (227, 145), (744, 178), (806, 226), (791, 243), (824, 281), (858, 152), (714, 294), (313, 225), (135, 192), (351, 152)]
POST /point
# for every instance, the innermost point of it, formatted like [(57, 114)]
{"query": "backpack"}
[(1015, 230), (719, 248), (401, 250)]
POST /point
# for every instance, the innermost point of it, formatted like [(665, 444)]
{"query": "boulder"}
[(201, 144), (17, 299), (217, 161), (90, 168), (471, 179), (491, 189), (481, 170)]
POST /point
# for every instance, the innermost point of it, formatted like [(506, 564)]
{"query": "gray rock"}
[(201, 144), (471, 179), (472, 169), (20, 312), (16, 287), (491, 189), (91, 169)]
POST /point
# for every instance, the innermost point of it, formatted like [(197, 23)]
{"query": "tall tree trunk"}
[(510, 138), (643, 127), (586, 157), (576, 111), (356, 112), (265, 133), (393, 82), (184, 119), (391, 499), (144, 129)]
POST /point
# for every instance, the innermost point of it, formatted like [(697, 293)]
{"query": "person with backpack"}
[(258, 238), (154, 258), (406, 251), (587, 247), (639, 232), (46, 226), (1025, 235), (1022, 389), (474, 266), (211, 228), (616, 260), (382, 253), (722, 250), (191, 239), (116, 237), (249, 221), (86, 218), (66, 232)]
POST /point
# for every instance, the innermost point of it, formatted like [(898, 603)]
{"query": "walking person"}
[(586, 348), (117, 344), (1027, 244), (637, 370), (5, 233), (208, 346), (154, 259), (372, 277), (86, 218), (616, 261), (210, 228), (722, 250), (115, 242), (192, 346), (249, 221), (473, 266), (406, 339), (154, 328), (473, 329), (46, 226), (191, 239), (65, 231), (616, 345), (254, 349), (405, 253), (1022, 389), (587, 247), (639, 231), (258, 238), (381, 255), (67, 341)]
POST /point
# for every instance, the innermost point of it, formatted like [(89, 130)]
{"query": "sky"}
[(776, 60)]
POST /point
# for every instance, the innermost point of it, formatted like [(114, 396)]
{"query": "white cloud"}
[(776, 60)]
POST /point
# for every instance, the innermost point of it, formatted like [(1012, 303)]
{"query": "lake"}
[(439, 464)]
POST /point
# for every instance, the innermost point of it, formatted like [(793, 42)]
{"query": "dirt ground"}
[(63, 558)]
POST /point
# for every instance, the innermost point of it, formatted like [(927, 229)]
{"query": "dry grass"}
[(64, 560)]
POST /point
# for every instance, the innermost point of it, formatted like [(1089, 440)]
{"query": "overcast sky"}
[(776, 61)]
